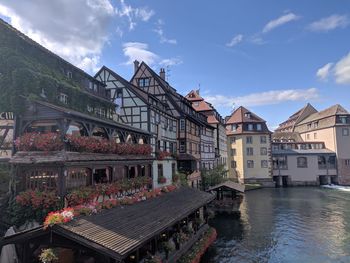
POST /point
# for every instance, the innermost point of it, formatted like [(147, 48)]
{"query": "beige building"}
[(249, 152), (331, 126), (303, 164)]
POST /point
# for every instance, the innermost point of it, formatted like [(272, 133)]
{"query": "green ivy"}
[(25, 69)]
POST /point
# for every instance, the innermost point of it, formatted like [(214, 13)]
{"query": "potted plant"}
[(48, 255), (161, 180)]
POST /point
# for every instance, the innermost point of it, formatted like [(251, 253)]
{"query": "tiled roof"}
[(331, 111), (122, 229), (239, 116), (229, 184), (302, 152), (212, 119), (193, 95)]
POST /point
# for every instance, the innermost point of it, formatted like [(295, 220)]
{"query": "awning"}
[(229, 184), (186, 157), (121, 230)]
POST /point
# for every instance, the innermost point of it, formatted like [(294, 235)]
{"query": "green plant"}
[(213, 177), (48, 255)]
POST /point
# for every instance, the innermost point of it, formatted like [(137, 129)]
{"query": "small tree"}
[(213, 177)]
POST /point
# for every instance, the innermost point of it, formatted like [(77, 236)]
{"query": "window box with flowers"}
[(161, 180)]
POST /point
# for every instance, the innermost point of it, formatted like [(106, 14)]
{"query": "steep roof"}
[(331, 111), (294, 136), (297, 117), (240, 116), (193, 95)]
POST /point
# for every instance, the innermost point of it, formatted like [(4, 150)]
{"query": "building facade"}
[(209, 143), (249, 148), (66, 128), (145, 111), (189, 124), (303, 164)]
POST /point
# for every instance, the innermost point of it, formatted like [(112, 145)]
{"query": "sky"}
[(269, 56)]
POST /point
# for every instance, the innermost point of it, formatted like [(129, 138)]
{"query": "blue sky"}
[(271, 56)]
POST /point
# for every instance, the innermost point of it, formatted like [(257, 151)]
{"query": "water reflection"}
[(285, 225)]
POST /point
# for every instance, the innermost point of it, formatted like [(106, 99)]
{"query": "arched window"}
[(302, 162), (76, 129)]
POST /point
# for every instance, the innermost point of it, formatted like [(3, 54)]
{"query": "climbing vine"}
[(28, 71)]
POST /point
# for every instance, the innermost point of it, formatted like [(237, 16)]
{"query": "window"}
[(301, 162), (173, 169), (250, 163), (262, 139), (309, 126), (69, 74), (160, 170), (143, 82), (182, 125), (264, 163), (164, 146), (89, 108), (196, 103), (308, 136), (233, 164), (315, 135), (91, 85), (347, 162), (250, 151), (247, 115), (171, 147), (316, 125), (233, 140), (250, 127), (182, 146), (63, 98), (249, 139), (322, 162), (343, 119), (279, 162), (263, 151), (345, 131), (259, 127), (233, 127), (233, 152)]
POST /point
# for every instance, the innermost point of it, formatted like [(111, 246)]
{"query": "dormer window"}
[(196, 103), (343, 119), (258, 127), (63, 98), (250, 127), (89, 108), (234, 127), (91, 85), (69, 74), (247, 115)]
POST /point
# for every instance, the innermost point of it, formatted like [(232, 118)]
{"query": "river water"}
[(285, 225)]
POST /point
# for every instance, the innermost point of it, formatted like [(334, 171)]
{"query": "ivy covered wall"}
[(26, 69)]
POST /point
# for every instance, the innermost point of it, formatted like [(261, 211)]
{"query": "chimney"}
[(136, 65), (162, 73)]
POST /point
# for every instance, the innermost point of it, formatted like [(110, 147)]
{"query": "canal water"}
[(285, 225)]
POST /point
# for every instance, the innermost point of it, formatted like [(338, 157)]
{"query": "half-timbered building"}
[(145, 111), (190, 122), (215, 120), (55, 102)]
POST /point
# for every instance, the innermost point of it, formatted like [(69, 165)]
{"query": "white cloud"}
[(235, 40), (264, 98), (342, 70), (160, 32), (323, 72), (75, 30), (330, 23), (132, 14), (139, 51), (170, 62), (279, 22)]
